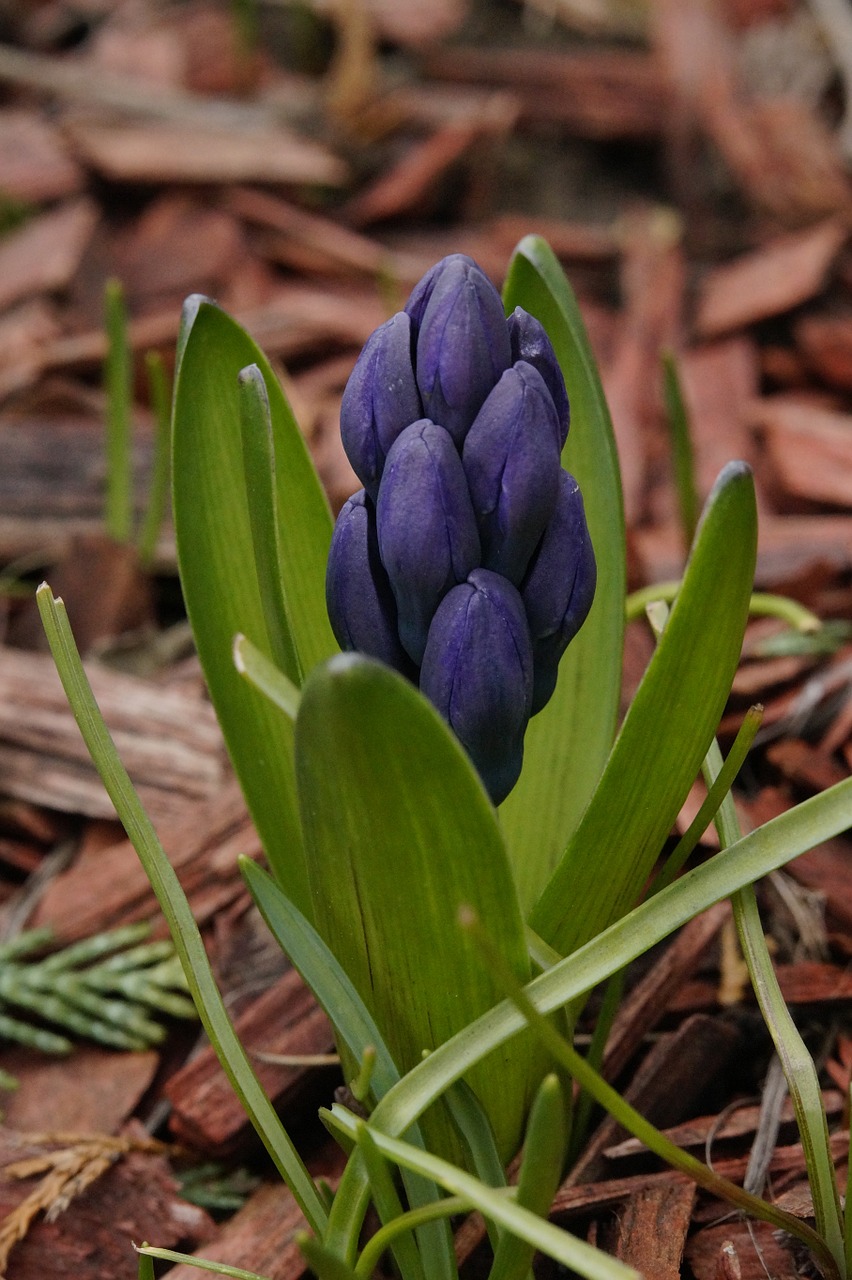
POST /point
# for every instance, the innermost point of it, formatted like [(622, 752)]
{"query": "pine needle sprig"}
[(105, 988)]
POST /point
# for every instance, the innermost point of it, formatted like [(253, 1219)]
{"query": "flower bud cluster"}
[(465, 560)]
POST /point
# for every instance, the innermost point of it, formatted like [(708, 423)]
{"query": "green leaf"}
[(218, 569), (173, 903), (567, 743), (400, 833), (667, 731), (388, 1204), (147, 1252)]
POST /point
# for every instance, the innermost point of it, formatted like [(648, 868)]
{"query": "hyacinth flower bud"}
[(559, 587), (380, 399), (478, 671), (529, 341), (511, 460), (462, 342), (361, 607), (427, 532)]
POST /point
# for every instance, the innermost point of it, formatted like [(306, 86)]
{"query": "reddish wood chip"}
[(34, 159), (93, 1092), (651, 1230), (810, 448), (769, 281), (737, 1250), (44, 254), (826, 342), (175, 153), (719, 382)]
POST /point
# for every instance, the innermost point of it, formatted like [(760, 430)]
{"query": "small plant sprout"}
[(422, 707)]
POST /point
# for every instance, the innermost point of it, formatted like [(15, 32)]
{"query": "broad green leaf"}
[(219, 573), (667, 731), (174, 906), (567, 743), (400, 834)]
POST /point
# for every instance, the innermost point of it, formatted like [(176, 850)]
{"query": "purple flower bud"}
[(529, 341), (559, 587), (511, 460), (381, 398), (478, 671), (360, 602), (462, 341), (427, 531)]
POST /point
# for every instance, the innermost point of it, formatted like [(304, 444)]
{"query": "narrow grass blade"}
[(412, 1220), (482, 1154), (540, 1173), (493, 1203), (220, 582), (325, 1264), (145, 1270), (799, 1068), (175, 908), (397, 821), (666, 732), (118, 512), (567, 744), (158, 491), (717, 790), (148, 1252), (681, 441)]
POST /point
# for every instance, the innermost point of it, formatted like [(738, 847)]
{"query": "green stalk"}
[(118, 512), (187, 938), (762, 605), (161, 404), (384, 1238)]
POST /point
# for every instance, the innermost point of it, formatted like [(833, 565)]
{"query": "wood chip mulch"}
[(689, 162)]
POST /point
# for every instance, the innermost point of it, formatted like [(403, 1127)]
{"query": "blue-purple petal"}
[(361, 606), (511, 460), (529, 341), (380, 399), (427, 532), (559, 587), (462, 342), (478, 671)]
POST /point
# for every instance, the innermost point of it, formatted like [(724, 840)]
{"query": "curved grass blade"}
[(492, 1203), (397, 822), (567, 744), (220, 581), (666, 732), (473, 1125), (187, 939)]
